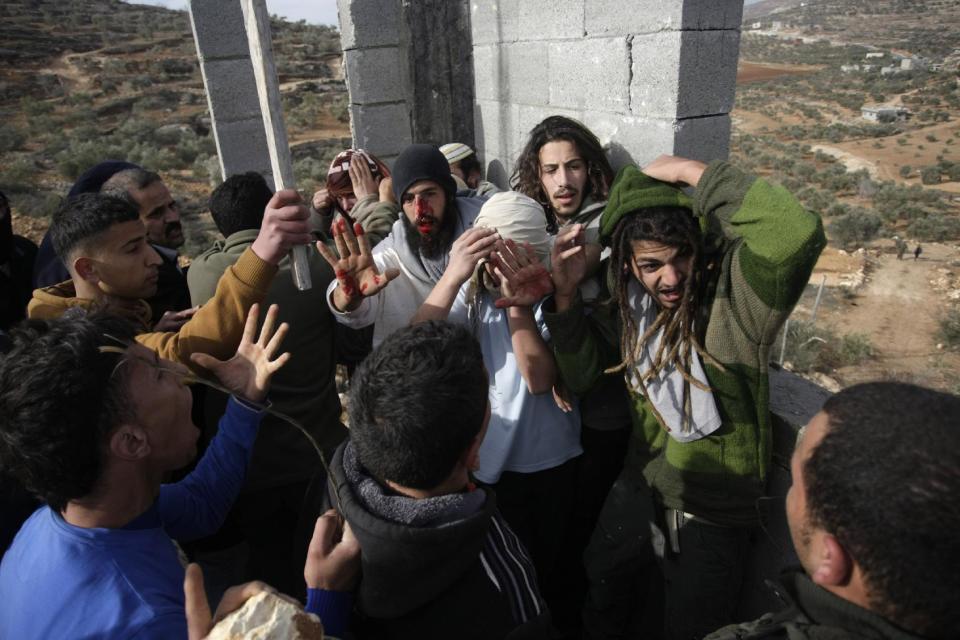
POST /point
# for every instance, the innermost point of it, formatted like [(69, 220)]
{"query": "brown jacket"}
[(216, 329)]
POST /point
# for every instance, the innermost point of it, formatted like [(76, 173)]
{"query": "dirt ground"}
[(898, 307)]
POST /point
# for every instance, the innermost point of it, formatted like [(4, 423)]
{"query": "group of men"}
[(564, 413)]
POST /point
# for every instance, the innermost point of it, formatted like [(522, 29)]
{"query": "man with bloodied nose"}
[(414, 255)]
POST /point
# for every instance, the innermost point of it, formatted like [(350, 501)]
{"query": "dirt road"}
[(899, 310)]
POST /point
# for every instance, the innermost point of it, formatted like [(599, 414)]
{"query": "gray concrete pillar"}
[(231, 89), (648, 77), (409, 72)]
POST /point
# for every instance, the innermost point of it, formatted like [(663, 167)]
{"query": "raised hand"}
[(361, 177), (524, 281), (333, 558), (356, 272), (675, 169), (386, 190), (322, 200), (568, 260), (247, 374), (284, 226), (467, 251)]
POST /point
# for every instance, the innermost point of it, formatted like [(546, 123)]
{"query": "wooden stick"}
[(257, 22)]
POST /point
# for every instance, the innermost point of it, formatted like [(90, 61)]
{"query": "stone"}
[(683, 74), (382, 129), (551, 19), (494, 21), (375, 75), (609, 17), (218, 29), (368, 23), (242, 147), (232, 89), (590, 74), (265, 616)]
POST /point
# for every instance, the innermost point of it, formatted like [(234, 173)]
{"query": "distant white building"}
[(884, 113), (874, 54), (890, 70), (914, 64), (849, 68), (756, 25), (776, 25)]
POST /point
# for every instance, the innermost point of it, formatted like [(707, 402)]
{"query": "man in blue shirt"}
[(91, 423)]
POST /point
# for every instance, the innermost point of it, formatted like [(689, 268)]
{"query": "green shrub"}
[(11, 138), (905, 171), (856, 227), (948, 332), (930, 175), (18, 176), (935, 228), (819, 348)]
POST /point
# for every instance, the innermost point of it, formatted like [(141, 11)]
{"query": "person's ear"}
[(834, 565), (86, 269), (129, 442)]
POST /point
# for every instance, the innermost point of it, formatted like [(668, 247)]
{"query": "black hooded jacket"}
[(443, 567)]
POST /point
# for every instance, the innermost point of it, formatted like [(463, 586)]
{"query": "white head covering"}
[(519, 218), (455, 151)]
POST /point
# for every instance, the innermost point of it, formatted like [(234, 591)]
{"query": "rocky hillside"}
[(922, 27), (86, 80)]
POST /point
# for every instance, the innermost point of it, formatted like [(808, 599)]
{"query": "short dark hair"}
[(84, 216), (127, 180), (470, 164), (60, 397), (238, 203), (885, 481), (417, 402), (526, 172)]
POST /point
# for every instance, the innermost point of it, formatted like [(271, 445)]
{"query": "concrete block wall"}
[(377, 75), (221, 39), (648, 77)]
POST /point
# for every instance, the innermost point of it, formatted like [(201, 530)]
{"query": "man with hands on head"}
[(358, 189), (699, 289), (92, 423)]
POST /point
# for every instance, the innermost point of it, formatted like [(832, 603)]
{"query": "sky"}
[(313, 11)]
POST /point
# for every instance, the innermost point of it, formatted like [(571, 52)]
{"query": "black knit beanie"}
[(422, 162)]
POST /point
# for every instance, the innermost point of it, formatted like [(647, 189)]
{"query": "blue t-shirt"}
[(62, 581)]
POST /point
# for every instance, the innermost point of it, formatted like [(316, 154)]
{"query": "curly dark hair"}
[(417, 402), (82, 217), (674, 227), (526, 171), (60, 397), (884, 481), (238, 204)]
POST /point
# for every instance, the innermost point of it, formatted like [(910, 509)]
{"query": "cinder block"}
[(526, 80), (608, 17), (531, 116), (369, 23), (232, 89), (376, 75), (218, 29), (590, 74), (487, 71), (383, 129), (552, 19), (493, 21), (681, 74), (631, 139), (242, 146), (496, 128), (703, 139)]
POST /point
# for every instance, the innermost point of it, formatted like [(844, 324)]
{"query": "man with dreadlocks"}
[(699, 289)]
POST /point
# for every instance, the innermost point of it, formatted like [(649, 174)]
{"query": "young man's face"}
[(662, 270), (126, 266), (423, 205), (347, 202), (162, 405), (563, 176), (798, 519), (160, 215)]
